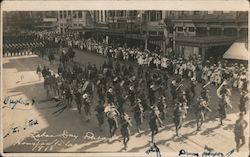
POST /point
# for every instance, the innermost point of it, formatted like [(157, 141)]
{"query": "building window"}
[(180, 29), (152, 15), (191, 29), (111, 13), (97, 16), (69, 12), (155, 15), (74, 14), (210, 12), (64, 14), (120, 13), (158, 15), (196, 12), (61, 14), (101, 16), (80, 14)]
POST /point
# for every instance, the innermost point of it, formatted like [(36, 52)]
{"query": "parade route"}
[(69, 132)]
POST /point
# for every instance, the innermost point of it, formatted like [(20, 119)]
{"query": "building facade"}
[(207, 33), (72, 21)]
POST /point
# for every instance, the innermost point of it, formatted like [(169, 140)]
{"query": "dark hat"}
[(241, 114)]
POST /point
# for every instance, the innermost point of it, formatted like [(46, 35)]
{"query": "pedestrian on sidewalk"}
[(243, 102), (240, 126), (39, 71)]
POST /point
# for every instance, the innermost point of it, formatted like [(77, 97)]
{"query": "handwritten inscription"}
[(206, 154), (64, 135), (185, 153), (8, 102), (49, 142), (16, 129)]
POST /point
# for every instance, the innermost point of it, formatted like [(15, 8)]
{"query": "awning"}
[(237, 51)]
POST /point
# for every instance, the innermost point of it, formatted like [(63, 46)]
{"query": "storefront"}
[(212, 46)]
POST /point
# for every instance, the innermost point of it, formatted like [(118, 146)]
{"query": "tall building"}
[(117, 24), (45, 20), (206, 33), (71, 21)]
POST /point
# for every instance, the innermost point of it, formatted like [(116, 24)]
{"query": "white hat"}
[(174, 81), (131, 88), (85, 96), (110, 90), (152, 86)]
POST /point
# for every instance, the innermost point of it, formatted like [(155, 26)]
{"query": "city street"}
[(69, 132)]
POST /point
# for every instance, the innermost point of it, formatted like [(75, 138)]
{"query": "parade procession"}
[(122, 92)]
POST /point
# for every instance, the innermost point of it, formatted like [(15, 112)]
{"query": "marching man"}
[(224, 94)]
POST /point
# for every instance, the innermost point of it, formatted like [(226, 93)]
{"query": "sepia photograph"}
[(148, 82)]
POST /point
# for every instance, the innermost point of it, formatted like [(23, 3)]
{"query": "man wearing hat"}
[(110, 95), (138, 114), (177, 117), (132, 95), (240, 126), (173, 89), (243, 102)]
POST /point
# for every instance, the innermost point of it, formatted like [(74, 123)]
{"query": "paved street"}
[(68, 131)]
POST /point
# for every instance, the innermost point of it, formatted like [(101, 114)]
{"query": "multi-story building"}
[(30, 20), (73, 21), (207, 33), (122, 25), (184, 32), (45, 20), (17, 20)]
